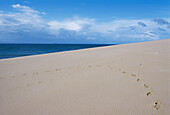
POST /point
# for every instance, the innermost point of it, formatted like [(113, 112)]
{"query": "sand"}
[(129, 79)]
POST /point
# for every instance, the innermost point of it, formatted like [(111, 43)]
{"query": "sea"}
[(19, 50)]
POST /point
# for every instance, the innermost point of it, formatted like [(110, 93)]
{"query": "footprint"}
[(58, 69), (157, 105), (146, 86), (89, 66), (149, 93), (0, 77), (23, 74), (138, 80), (47, 71), (123, 72), (35, 73), (133, 75)]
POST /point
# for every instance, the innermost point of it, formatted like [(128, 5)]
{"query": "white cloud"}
[(28, 20), (55, 25), (115, 25), (74, 24), (16, 5), (26, 1), (25, 9), (129, 29), (152, 35)]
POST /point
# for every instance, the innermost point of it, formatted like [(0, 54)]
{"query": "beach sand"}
[(129, 79)]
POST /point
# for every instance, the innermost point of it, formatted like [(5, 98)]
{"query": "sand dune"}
[(131, 79)]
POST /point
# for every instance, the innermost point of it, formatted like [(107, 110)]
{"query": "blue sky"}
[(84, 21)]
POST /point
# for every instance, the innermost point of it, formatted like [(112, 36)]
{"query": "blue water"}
[(18, 50)]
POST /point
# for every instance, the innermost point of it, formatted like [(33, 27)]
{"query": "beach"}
[(128, 79)]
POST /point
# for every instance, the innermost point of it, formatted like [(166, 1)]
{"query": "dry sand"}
[(131, 79)]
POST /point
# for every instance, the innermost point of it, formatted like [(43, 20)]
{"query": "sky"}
[(84, 21)]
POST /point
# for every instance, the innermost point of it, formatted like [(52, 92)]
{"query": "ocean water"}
[(18, 50)]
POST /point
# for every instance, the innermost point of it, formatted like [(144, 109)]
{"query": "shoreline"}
[(105, 45), (69, 51)]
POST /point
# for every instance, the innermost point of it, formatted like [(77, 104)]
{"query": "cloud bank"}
[(29, 25), (161, 21)]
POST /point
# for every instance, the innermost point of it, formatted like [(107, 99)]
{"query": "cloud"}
[(74, 24), (126, 30), (30, 25), (17, 5), (142, 24), (26, 2), (161, 29), (26, 19), (25, 9), (152, 35), (168, 26), (161, 21)]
